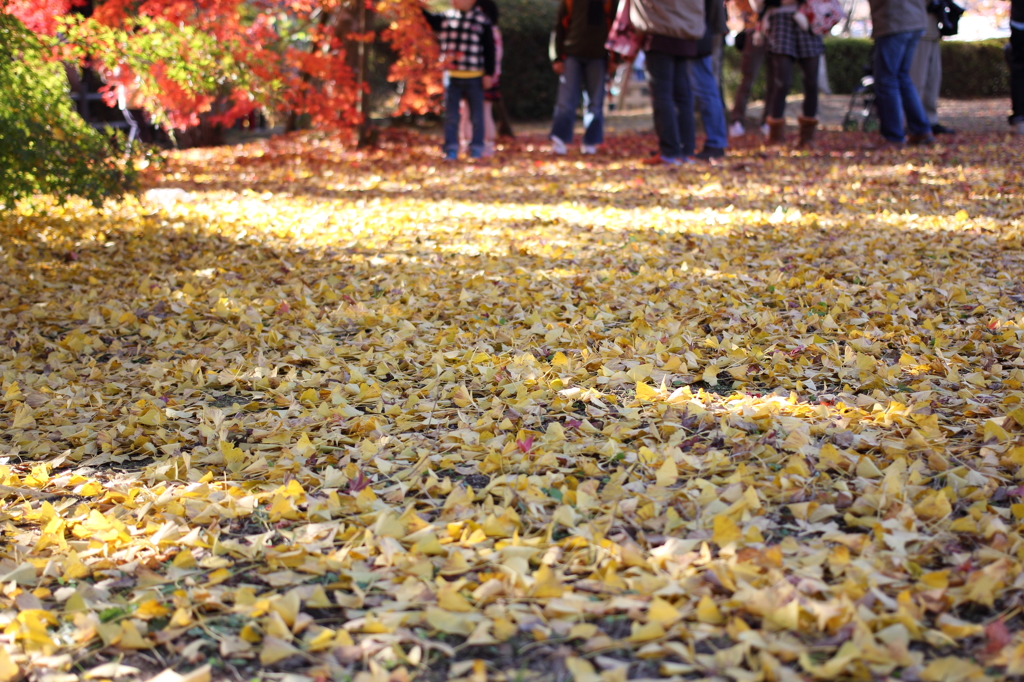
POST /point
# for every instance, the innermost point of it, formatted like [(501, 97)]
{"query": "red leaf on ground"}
[(997, 636), (358, 483)]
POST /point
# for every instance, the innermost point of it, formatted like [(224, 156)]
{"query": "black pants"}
[(1017, 74), (782, 72)]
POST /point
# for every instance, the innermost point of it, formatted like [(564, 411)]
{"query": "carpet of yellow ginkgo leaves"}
[(302, 412)]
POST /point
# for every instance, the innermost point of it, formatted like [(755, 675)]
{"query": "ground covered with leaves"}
[(308, 412)]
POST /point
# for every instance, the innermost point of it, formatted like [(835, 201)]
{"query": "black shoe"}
[(939, 129), (709, 153)]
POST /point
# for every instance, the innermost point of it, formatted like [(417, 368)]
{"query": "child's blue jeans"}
[(472, 90)]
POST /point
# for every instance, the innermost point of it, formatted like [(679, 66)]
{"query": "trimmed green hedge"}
[(976, 69), (846, 59), (969, 69), (528, 84)]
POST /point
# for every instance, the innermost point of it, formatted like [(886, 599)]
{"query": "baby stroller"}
[(863, 112)]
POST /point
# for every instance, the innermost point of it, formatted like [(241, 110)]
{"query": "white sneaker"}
[(588, 149), (1018, 127), (737, 129), (765, 130), (558, 147)]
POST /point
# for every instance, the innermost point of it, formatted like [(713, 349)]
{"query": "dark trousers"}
[(472, 90), (672, 98), (1017, 74), (782, 72), (753, 57)]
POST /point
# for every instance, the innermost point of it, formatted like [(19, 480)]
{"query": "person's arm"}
[(561, 19), (433, 18), (489, 60)]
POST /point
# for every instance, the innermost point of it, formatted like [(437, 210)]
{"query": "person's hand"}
[(558, 67), (488, 82)]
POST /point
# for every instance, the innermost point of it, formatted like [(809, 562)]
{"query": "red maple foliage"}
[(418, 56), (40, 16), (182, 59)]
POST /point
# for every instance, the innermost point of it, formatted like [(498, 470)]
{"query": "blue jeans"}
[(579, 73), (894, 91), (709, 99), (672, 98), (472, 90)]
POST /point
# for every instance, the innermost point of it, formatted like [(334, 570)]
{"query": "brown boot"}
[(807, 128), (776, 131)]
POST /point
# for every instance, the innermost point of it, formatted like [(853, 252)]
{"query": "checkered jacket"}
[(467, 40)]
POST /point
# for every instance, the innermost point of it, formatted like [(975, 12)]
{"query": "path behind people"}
[(975, 115)]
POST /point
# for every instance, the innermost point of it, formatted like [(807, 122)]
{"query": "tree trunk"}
[(205, 134), (368, 134)]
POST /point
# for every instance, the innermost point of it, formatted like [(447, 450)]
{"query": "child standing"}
[(789, 43), (467, 53), (491, 94)]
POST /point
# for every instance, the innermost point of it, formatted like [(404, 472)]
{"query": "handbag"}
[(623, 38), (948, 14), (740, 41), (822, 15)]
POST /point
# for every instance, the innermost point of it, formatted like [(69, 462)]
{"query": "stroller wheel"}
[(850, 124), (871, 124)]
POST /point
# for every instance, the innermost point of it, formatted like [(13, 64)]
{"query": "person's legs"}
[(474, 90), (809, 66), (809, 121), (781, 70), (926, 74), (753, 56), (709, 99), (682, 95), (782, 74), (930, 95), (490, 132), (465, 126), (662, 70), (889, 52), (453, 98), (917, 119), (593, 118), (1017, 76), (769, 86), (569, 84)]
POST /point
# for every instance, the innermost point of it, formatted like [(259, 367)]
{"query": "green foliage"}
[(970, 69), (45, 147), (976, 69), (528, 84), (179, 68), (846, 59)]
